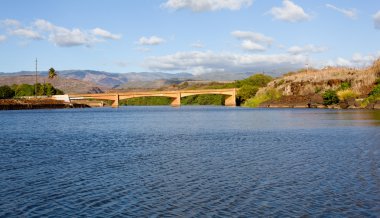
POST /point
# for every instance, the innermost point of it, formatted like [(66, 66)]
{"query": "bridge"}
[(230, 94)]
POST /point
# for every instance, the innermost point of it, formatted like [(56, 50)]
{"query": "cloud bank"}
[(198, 62)]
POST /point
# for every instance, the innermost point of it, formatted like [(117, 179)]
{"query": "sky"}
[(193, 36)]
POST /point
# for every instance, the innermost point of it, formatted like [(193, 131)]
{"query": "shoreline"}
[(32, 104)]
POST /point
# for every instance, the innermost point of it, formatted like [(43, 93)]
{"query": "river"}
[(189, 162)]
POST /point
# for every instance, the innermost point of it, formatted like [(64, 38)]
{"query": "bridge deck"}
[(176, 95)]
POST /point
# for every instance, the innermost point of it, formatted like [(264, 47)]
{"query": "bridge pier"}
[(115, 103), (177, 100), (230, 101)]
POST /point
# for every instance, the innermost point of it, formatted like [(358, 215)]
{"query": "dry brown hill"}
[(67, 85)]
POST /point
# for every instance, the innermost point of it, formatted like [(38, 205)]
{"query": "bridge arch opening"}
[(146, 101), (204, 99)]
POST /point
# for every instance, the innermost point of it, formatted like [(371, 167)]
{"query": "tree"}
[(259, 80), (6, 92), (24, 90), (52, 73), (246, 92)]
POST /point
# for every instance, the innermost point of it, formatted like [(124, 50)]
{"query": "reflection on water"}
[(190, 161)]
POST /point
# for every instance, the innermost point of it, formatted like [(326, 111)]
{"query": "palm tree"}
[(52, 73)]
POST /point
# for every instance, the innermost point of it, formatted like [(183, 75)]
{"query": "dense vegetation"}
[(6, 92), (268, 95), (21, 90)]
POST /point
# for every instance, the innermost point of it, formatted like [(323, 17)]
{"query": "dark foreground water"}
[(189, 161)]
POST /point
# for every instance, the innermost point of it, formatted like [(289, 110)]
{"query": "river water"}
[(190, 162)]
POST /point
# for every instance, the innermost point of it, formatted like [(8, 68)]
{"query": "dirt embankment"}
[(22, 104)]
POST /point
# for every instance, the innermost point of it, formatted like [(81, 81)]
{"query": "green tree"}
[(259, 80), (246, 92), (6, 92)]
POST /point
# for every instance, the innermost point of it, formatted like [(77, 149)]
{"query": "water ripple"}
[(193, 162)]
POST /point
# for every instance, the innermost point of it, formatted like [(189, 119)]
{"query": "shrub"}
[(330, 97), (375, 91), (345, 85), (346, 94), (6, 92), (269, 94)]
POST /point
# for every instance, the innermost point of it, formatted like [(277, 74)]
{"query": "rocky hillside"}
[(308, 82), (305, 87)]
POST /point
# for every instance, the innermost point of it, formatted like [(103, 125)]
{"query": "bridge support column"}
[(115, 103), (230, 101), (177, 100)]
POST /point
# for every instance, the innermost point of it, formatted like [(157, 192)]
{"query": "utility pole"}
[(35, 84)]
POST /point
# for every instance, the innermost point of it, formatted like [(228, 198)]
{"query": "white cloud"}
[(252, 46), (153, 40), (2, 38), (289, 12), (64, 37), (60, 36), (376, 20), (68, 38), (306, 49), (105, 34), (201, 62), (252, 41), (10, 23), (27, 33), (44, 25), (207, 5), (253, 36), (349, 13)]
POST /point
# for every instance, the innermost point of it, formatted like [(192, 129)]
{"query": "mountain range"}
[(86, 80)]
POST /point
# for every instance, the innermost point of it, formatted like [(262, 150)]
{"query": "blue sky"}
[(194, 36)]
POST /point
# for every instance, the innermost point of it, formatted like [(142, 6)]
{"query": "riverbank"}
[(316, 101), (23, 104)]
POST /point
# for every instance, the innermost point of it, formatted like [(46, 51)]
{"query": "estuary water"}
[(189, 162)]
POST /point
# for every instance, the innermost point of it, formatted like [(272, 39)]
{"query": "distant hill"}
[(65, 84)]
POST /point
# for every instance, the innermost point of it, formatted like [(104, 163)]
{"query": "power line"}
[(35, 84)]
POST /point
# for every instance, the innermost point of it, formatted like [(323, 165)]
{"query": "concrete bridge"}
[(230, 100)]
